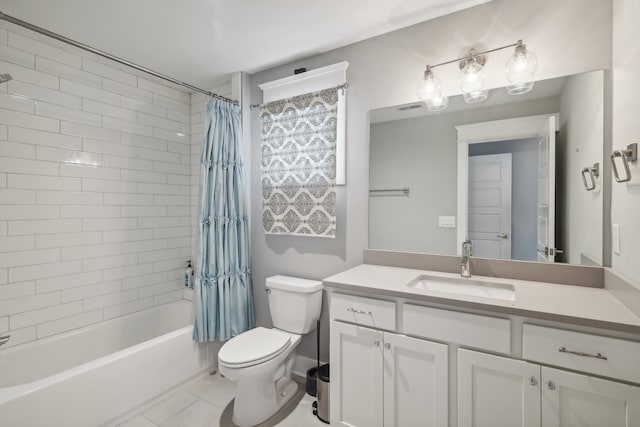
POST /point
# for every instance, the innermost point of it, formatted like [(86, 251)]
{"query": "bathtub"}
[(91, 376)]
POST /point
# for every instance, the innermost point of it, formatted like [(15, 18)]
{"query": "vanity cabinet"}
[(384, 379), (495, 391)]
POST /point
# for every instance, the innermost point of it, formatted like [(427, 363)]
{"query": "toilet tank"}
[(294, 303)]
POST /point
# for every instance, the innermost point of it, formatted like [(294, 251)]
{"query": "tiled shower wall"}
[(95, 188)]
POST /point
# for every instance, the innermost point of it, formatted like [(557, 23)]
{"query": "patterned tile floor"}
[(201, 405)]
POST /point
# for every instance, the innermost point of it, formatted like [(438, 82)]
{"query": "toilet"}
[(260, 360)]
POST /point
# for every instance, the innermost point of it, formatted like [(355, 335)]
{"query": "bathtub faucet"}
[(4, 339)]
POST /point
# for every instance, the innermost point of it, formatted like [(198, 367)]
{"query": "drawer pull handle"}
[(580, 353), (353, 310)]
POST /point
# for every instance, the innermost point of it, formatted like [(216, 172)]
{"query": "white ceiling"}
[(201, 41)]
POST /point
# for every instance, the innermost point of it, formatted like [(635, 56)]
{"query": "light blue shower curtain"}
[(224, 301)]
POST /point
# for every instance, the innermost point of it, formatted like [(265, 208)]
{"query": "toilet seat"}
[(254, 347)]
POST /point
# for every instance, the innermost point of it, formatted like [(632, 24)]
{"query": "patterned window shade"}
[(299, 164)]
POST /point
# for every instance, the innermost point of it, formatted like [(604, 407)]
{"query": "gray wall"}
[(384, 71)]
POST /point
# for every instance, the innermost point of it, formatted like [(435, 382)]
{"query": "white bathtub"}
[(93, 375)]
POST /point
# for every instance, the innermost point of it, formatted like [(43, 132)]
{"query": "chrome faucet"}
[(467, 251)]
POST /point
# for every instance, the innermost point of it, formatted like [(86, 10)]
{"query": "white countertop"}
[(582, 305)]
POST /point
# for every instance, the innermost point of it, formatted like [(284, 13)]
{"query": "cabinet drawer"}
[(610, 357), (364, 311), (484, 332)]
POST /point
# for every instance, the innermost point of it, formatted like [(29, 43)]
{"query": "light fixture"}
[(521, 68)]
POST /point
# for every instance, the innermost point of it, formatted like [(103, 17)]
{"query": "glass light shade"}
[(519, 88), (475, 96), (472, 76), (437, 104), (429, 86), (521, 66)]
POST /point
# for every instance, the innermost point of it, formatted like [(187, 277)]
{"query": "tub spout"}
[(4, 339)]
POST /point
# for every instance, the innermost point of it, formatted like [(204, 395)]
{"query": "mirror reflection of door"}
[(490, 205), (546, 191)]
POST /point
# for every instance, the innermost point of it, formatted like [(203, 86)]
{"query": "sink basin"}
[(464, 286)]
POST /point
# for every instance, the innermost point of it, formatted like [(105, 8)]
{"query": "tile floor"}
[(202, 403)]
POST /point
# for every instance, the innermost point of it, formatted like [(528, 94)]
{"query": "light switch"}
[(447, 221), (615, 238)]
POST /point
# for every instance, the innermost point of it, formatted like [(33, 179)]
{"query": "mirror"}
[(513, 174)]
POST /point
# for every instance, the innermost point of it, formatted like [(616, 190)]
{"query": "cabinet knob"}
[(387, 346), (376, 343), (551, 385), (533, 381)]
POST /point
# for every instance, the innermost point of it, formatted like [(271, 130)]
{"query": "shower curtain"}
[(224, 301)]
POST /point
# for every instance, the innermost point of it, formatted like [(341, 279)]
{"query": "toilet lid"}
[(253, 347)]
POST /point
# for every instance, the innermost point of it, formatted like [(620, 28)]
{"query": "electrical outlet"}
[(615, 238), (447, 221)]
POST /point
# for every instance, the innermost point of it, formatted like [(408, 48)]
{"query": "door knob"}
[(503, 235)]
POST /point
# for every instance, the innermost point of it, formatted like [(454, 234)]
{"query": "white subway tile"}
[(110, 300), (171, 104), (3, 36), (108, 110), (68, 156), (34, 317), (89, 211), (32, 302), (178, 147), (17, 243), (3, 180), (95, 146), (126, 162), (69, 198), (179, 242), (28, 75), (21, 336), (149, 291), (105, 186), (109, 71), (4, 132), (22, 274), (18, 197), (42, 49), (147, 188), (18, 228), (171, 168), (69, 323), (169, 265), (127, 199), (89, 92), (142, 176), (32, 257), (142, 246), (43, 94), (91, 291), (69, 114), (172, 200), (108, 224), (91, 251), (179, 179), (127, 271), (126, 90), (23, 212), (49, 139), (92, 132), (162, 255), (4, 324), (108, 262), (183, 137), (127, 235), (158, 122), (64, 71), (68, 281), (125, 126), (179, 117), (4, 276), (162, 156), (167, 297), (16, 149), (137, 105), (188, 294), (17, 290), (135, 211), (17, 103), (26, 166), (43, 182), (17, 56), (61, 240), (26, 120), (158, 88), (146, 280), (89, 170), (143, 141), (130, 307), (163, 233)]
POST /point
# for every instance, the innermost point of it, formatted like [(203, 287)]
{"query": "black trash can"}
[(311, 381)]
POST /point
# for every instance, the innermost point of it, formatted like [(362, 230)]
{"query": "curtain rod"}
[(21, 23)]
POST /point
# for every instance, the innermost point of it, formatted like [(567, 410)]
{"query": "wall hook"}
[(593, 172), (628, 155)]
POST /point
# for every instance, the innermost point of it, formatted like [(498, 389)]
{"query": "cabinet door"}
[(575, 400), (415, 382), (356, 398), (495, 391)]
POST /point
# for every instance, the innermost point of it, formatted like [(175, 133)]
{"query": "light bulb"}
[(437, 104), (472, 79), (521, 67), (429, 86)]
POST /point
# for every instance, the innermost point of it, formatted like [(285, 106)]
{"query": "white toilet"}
[(260, 360)]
